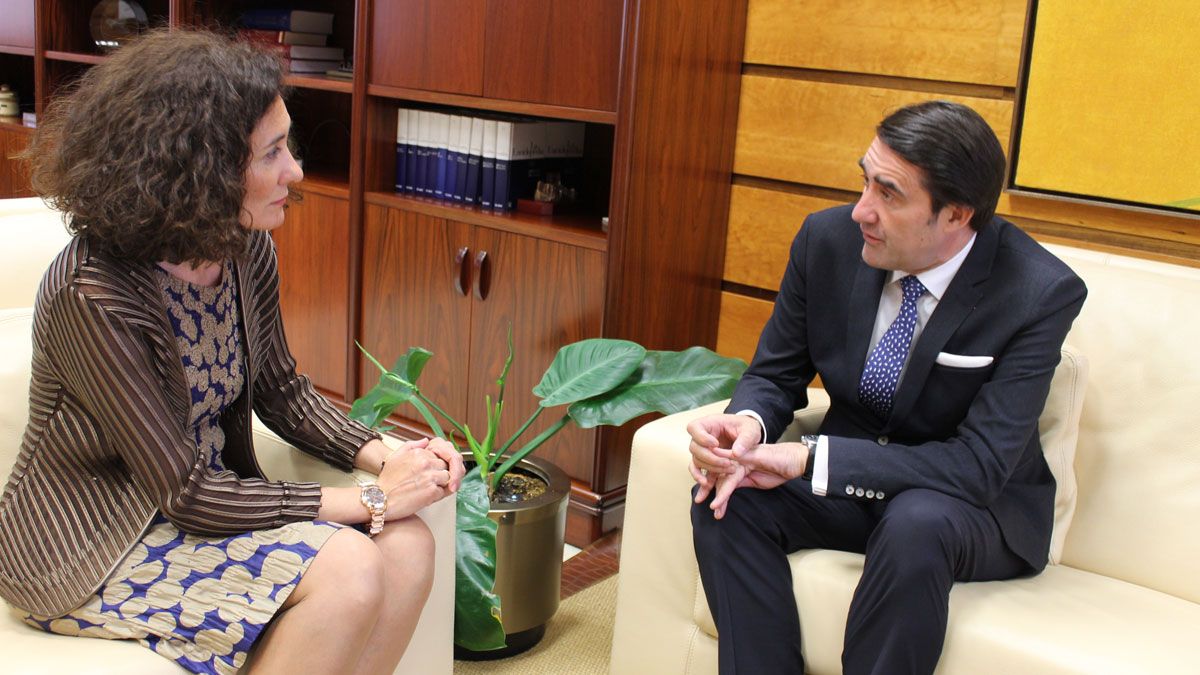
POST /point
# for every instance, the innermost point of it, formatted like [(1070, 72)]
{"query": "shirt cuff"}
[(762, 438), (820, 475)]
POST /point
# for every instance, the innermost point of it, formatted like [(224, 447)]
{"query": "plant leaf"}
[(409, 366), (666, 382), (374, 406), (477, 624), (588, 368)]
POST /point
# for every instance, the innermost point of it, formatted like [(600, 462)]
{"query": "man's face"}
[(899, 228)]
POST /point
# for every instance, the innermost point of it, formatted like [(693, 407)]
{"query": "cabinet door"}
[(314, 253), (562, 52), (550, 294), (410, 298), (428, 44)]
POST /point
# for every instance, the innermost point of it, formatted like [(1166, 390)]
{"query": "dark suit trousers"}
[(917, 545)]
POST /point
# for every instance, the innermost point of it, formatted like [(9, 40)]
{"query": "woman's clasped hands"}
[(419, 473)]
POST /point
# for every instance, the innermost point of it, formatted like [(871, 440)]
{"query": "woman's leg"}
[(406, 547), (324, 624)]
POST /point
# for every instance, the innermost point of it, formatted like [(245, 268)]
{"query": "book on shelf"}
[(283, 37), (310, 52), (410, 154), (528, 151), (487, 164), (296, 20), (310, 65), (441, 134), (452, 152), (424, 134), (401, 149), (471, 193), (462, 152)]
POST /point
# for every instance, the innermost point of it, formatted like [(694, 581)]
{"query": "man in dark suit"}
[(935, 328)]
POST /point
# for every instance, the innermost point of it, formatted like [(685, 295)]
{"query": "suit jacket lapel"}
[(954, 307), (864, 304)]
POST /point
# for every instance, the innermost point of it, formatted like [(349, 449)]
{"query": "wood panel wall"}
[(818, 75)]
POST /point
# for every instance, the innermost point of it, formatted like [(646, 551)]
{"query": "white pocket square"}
[(963, 361)]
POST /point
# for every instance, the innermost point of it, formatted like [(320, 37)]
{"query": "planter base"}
[(517, 643)]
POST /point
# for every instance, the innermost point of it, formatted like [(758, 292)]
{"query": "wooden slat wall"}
[(819, 74)]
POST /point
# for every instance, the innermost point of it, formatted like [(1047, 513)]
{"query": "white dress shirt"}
[(936, 281)]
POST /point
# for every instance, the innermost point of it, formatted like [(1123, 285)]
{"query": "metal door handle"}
[(462, 280), (483, 275)]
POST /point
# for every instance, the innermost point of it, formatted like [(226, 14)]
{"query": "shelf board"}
[(75, 57), (581, 230), (8, 124), (325, 182), (15, 50), (315, 81), (495, 104)]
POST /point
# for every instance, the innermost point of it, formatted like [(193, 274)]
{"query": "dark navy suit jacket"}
[(971, 433)]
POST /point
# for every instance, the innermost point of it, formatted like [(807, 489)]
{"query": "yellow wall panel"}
[(815, 132), (1110, 107), (742, 320), (972, 41), (762, 224)]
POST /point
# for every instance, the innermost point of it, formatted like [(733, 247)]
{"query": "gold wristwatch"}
[(375, 499)]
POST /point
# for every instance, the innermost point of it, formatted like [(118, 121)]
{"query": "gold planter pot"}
[(529, 552)]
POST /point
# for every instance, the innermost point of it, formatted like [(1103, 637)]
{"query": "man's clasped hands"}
[(727, 454)]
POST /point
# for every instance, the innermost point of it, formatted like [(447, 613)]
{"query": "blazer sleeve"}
[(975, 463), (108, 367), (776, 382), (283, 399)]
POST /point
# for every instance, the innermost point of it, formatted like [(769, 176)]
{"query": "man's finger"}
[(725, 487), (748, 437)]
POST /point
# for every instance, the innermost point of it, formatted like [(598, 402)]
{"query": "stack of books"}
[(489, 161), (299, 37)]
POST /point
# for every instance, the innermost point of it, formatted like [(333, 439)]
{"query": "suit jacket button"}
[(879, 494), (870, 494), (859, 492), (882, 440), (850, 490)]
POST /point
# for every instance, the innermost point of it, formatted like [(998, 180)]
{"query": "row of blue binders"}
[(490, 161)]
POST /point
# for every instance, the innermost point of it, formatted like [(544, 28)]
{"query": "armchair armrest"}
[(657, 587)]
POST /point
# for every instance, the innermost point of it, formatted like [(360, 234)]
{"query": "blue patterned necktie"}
[(882, 372)]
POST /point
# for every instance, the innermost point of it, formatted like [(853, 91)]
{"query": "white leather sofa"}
[(1122, 594), (30, 235)]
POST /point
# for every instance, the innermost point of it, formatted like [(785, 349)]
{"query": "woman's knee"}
[(408, 549), (348, 571)]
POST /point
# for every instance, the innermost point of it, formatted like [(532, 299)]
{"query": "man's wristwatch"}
[(810, 442), (375, 499)]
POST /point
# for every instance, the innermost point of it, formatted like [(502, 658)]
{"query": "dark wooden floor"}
[(593, 564)]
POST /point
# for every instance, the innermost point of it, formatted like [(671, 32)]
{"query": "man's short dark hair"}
[(959, 153)]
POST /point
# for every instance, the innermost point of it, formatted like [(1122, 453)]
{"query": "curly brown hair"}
[(147, 153)]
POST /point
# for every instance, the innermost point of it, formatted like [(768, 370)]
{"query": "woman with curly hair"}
[(137, 509)]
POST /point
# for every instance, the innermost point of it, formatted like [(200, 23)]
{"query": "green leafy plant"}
[(600, 381)]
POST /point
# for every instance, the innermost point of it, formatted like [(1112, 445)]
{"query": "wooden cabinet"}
[(434, 45), (554, 52), (313, 247), (456, 289), (14, 178)]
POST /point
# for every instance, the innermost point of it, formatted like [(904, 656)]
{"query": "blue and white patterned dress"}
[(200, 601)]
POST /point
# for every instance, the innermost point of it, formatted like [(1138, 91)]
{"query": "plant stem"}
[(453, 422), (517, 435), (530, 447), (429, 418)]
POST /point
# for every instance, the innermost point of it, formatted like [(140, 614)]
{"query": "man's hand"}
[(733, 433), (762, 467)]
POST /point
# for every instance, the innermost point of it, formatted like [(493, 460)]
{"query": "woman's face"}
[(272, 169)]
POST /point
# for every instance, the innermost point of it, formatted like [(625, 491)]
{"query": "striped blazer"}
[(108, 443)]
